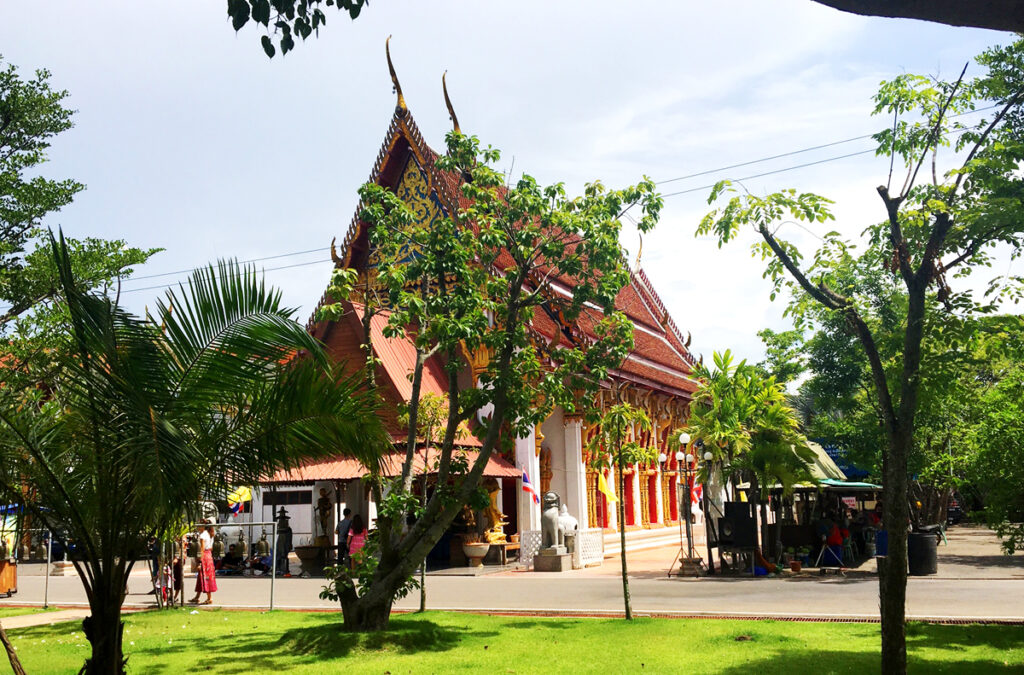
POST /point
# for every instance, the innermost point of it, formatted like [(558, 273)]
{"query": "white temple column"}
[(527, 460), (658, 485), (575, 471)]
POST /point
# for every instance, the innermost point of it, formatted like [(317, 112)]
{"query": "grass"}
[(18, 611), (175, 641)]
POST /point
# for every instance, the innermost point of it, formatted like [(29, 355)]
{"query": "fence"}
[(163, 579), (589, 547)]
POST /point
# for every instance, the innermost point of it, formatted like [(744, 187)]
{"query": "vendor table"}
[(8, 577)]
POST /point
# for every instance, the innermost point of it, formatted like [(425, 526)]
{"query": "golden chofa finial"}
[(448, 102), (400, 106), (338, 262)]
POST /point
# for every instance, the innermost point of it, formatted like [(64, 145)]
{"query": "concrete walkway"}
[(43, 618), (975, 581)]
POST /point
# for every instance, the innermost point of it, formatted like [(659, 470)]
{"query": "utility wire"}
[(269, 269), (241, 262), (770, 173), (797, 152), (787, 168)]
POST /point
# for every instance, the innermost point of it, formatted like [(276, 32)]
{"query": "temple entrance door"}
[(652, 498), (509, 504)]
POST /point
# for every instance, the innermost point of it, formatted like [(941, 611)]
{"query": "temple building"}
[(554, 456)]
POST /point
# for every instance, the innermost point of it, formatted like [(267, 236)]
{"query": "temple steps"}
[(644, 539)]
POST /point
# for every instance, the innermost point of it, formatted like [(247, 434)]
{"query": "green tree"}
[(997, 441), (31, 114), (147, 417), (935, 230), (477, 280), (616, 444), (32, 320), (287, 19)]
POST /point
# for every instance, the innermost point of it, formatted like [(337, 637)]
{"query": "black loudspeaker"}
[(737, 532), (739, 510)]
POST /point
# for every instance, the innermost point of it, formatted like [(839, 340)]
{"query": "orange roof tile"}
[(344, 468)]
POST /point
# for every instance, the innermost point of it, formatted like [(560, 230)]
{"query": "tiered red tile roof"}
[(660, 359)]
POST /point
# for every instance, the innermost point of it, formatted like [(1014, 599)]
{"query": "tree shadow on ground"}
[(960, 637), (249, 650), (930, 648), (1004, 562)]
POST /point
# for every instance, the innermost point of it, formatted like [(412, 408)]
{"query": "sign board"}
[(850, 502)]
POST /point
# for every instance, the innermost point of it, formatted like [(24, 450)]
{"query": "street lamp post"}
[(707, 516), (685, 506), (686, 560)]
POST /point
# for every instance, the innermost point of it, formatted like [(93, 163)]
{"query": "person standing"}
[(356, 538), (342, 529), (206, 579)]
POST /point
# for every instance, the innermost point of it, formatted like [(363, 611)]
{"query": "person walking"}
[(206, 579), (356, 538), (343, 527)]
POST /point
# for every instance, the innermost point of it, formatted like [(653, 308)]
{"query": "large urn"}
[(475, 552)]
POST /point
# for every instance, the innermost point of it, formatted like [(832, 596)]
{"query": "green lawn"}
[(175, 641), (18, 611)]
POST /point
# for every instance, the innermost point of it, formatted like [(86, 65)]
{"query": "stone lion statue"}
[(552, 529)]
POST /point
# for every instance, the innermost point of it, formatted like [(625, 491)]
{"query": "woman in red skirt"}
[(206, 579)]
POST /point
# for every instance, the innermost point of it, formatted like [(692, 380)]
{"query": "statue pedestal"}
[(690, 567), (552, 559), (63, 568)]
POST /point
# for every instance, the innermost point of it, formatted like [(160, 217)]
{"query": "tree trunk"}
[(423, 565), (12, 656), (368, 614), (892, 570), (104, 630), (622, 542)]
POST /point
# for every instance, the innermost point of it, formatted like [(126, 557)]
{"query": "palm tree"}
[(150, 415), (744, 420)]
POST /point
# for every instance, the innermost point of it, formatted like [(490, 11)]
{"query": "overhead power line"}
[(241, 262), (186, 281), (769, 173), (796, 152)]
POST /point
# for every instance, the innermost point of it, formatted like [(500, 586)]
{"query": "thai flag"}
[(528, 487), (697, 493)]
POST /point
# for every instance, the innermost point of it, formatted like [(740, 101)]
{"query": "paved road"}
[(975, 582)]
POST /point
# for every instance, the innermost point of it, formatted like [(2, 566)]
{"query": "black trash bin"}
[(922, 554)]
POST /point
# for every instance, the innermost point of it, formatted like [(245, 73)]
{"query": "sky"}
[(189, 139)]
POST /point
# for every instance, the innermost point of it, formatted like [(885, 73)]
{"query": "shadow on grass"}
[(961, 638), (930, 648), (321, 641)]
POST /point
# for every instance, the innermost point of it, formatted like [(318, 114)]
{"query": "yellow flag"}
[(242, 494), (602, 487)]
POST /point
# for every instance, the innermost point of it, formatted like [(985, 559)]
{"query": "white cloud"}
[(188, 138)]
